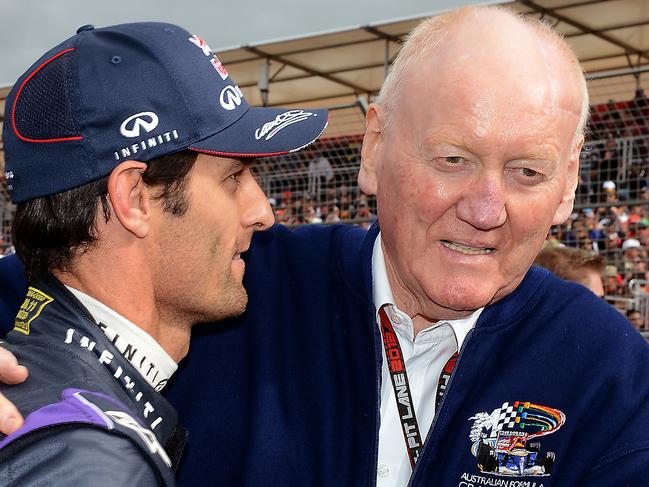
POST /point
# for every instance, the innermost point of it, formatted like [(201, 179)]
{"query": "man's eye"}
[(454, 159), (529, 173), (528, 176), (236, 177)]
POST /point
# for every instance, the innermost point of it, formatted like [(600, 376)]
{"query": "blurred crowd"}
[(318, 185)]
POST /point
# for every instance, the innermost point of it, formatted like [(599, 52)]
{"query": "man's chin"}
[(238, 303), (232, 303), (460, 303)]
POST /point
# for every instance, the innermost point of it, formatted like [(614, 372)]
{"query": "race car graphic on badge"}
[(503, 441)]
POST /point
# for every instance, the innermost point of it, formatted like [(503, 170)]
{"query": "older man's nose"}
[(482, 204)]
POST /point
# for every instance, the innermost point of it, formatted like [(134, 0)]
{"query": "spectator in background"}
[(363, 212), (347, 209), (320, 173), (643, 232), (334, 215), (576, 265), (613, 125), (613, 283), (608, 192), (578, 235), (631, 250), (636, 319), (605, 168), (311, 215), (554, 236), (595, 229)]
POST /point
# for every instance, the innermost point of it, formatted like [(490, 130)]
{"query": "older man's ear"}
[(371, 144), (572, 179)]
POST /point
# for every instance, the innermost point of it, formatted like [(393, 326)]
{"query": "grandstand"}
[(344, 70)]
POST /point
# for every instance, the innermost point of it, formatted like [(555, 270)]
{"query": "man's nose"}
[(483, 203), (257, 212)]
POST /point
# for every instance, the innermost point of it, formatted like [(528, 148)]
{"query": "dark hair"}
[(49, 232)]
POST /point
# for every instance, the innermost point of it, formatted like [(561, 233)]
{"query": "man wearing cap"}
[(359, 346), (126, 154), (643, 231)]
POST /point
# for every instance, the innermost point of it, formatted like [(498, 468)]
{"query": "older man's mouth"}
[(466, 249)]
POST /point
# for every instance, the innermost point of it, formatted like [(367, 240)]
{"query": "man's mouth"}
[(241, 250), (466, 249)]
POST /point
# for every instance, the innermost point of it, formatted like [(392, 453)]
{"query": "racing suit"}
[(92, 418)]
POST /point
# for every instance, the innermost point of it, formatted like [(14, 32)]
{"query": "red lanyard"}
[(401, 386)]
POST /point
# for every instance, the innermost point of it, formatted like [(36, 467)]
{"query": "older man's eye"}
[(528, 176), (529, 173), (454, 159)]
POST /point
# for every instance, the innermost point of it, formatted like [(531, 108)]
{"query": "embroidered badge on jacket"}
[(506, 442), (32, 306)]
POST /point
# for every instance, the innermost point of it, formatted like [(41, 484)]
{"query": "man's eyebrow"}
[(243, 162), (448, 140), (234, 165), (537, 151)]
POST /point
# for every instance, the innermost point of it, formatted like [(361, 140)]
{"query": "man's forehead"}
[(492, 34), (480, 57), (492, 75)]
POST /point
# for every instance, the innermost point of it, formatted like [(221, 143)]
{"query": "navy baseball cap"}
[(133, 91)]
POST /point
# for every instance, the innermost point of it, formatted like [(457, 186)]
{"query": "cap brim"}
[(263, 132)]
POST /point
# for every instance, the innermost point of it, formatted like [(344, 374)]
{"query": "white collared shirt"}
[(136, 345), (425, 356)]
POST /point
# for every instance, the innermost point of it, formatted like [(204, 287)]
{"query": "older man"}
[(343, 370), (120, 148)]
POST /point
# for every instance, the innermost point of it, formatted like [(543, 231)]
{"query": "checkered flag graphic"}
[(507, 417)]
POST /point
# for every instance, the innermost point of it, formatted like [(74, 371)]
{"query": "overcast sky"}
[(28, 28)]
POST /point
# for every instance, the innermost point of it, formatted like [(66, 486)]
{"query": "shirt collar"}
[(140, 348), (382, 294)]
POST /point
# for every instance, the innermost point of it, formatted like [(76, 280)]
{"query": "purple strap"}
[(73, 408)]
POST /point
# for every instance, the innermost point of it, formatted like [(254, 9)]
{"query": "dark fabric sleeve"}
[(627, 469), (78, 457), (13, 287), (625, 461)]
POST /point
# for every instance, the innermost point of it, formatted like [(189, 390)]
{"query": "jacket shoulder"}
[(575, 305), (81, 457)]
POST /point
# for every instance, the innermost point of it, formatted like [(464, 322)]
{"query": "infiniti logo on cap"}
[(131, 127), (231, 97)]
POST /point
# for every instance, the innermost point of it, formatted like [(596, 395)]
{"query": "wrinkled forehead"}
[(495, 69)]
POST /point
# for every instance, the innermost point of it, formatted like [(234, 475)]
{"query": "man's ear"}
[(568, 200), (130, 197), (371, 143)]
